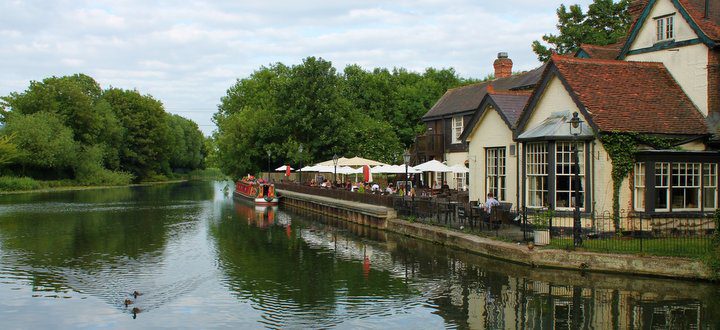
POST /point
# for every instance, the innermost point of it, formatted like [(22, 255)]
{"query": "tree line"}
[(69, 128), (369, 113)]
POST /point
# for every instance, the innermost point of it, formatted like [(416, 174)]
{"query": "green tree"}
[(46, 143), (605, 23), (8, 150), (144, 148), (186, 144)]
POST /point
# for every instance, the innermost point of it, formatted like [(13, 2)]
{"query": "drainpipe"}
[(707, 9), (517, 176)]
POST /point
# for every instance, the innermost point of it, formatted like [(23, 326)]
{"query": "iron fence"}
[(687, 234)]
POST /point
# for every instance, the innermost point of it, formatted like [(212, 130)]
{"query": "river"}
[(201, 260)]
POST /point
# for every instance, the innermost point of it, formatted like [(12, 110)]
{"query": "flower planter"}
[(541, 237)]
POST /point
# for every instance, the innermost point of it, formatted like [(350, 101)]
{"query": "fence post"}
[(641, 233)]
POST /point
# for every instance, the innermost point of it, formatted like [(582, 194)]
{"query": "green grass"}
[(673, 247)]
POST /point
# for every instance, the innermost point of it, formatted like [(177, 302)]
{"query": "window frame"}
[(668, 176), (571, 175), (537, 160), (457, 128), (665, 27), (499, 168)]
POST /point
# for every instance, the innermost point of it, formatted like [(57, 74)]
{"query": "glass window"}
[(709, 186), (460, 179), (685, 186), (662, 185), (665, 28), (564, 175), (457, 123), (639, 182), (536, 170), (495, 173)]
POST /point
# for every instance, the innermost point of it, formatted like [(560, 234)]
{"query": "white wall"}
[(555, 98), (490, 132), (688, 65)]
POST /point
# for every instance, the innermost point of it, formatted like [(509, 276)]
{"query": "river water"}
[(201, 260)]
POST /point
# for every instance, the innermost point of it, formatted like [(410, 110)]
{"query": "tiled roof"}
[(510, 103), (630, 96), (710, 24), (609, 52), (468, 97)]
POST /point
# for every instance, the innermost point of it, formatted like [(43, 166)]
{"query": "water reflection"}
[(202, 260)]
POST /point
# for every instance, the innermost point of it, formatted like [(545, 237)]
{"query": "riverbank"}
[(633, 264), (73, 188)]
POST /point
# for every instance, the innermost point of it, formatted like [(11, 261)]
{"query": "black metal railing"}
[(688, 235)]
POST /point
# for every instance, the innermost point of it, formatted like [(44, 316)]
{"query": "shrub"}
[(11, 183)]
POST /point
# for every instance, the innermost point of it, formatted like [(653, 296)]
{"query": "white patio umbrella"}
[(284, 168), (459, 168), (355, 161), (433, 166), (347, 170)]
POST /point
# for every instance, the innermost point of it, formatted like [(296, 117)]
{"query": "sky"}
[(188, 53)]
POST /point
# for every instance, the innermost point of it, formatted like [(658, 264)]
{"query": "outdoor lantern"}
[(335, 161), (269, 153), (575, 124), (300, 149), (406, 157), (575, 129)]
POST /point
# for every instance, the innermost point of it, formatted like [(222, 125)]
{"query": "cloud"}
[(188, 54)]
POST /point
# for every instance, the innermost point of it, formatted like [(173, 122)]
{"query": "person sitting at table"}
[(390, 189), (375, 187), (436, 186), (491, 202)]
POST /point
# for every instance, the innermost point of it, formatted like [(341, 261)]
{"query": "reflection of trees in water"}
[(106, 243), (294, 283)]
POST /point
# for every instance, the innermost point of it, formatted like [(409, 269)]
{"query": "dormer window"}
[(665, 26), (457, 124)]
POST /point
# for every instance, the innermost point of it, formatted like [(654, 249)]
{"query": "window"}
[(709, 186), (639, 181), (665, 28), (536, 170), (495, 173), (662, 185), (679, 186), (457, 123), (564, 175), (685, 186), (460, 181)]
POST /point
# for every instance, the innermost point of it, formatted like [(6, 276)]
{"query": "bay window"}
[(676, 186), (564, 175)]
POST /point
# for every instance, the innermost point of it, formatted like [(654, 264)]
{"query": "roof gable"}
[(508, 104), (623, 96), (706, 29)]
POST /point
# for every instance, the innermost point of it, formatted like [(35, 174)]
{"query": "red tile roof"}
[(609, 52), (710, 24), (630, 96)]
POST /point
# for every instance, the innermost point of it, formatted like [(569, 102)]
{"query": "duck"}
[(135, 312), (136, 294), (128, 302)]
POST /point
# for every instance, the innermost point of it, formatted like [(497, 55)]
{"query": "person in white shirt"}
[(375, 187), (491, 202)]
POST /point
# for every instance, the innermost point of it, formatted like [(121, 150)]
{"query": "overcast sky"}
[(188, 53)]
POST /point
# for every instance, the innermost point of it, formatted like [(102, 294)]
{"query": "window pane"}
[(709, 186), (565, 171), (536, 169), (639, 183)]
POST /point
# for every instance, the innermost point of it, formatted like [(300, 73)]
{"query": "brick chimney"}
[(503, 66)]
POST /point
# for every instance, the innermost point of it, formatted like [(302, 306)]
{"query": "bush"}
[(11, 183), (105, 177)]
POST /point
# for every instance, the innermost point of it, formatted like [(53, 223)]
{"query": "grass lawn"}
[(674, 247)]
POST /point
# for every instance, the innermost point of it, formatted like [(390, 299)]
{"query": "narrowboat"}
[(257, 190)]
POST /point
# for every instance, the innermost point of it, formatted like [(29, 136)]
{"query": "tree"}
[(605, 23), (8, 150), (46, 143), (144, 149), (186, 144)]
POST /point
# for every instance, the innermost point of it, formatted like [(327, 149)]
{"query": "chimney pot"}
[(502, 55)]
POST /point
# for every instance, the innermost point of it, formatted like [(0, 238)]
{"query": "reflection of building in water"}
[(520, 304)]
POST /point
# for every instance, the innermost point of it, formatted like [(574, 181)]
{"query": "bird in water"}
[(136, 294), (135, 312), (128, 302)]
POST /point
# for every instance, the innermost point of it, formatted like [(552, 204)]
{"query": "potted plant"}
[(541, 231)]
